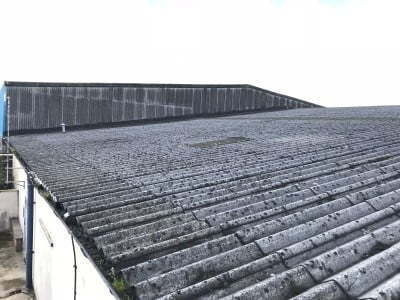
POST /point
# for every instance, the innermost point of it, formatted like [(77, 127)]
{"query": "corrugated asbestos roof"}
[(301, 204)]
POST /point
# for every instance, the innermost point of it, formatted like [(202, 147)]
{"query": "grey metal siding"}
[(43, 106)]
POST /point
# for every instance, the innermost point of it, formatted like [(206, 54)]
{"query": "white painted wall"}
[(53, 273), (20, 183), (8, 208), (53, 258), (90, 283)]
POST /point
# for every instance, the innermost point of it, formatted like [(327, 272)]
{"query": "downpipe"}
[(29, 235)]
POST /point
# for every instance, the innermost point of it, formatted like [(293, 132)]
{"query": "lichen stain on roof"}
[(305, 206)]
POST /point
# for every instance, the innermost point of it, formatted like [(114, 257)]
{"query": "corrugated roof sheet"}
[(40, 106), (300, 204)]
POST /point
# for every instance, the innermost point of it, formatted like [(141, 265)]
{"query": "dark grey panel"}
[(41, 106)]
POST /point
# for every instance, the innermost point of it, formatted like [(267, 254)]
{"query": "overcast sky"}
[(335, 53)]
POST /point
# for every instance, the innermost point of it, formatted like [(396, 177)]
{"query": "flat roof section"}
[(295, 204)]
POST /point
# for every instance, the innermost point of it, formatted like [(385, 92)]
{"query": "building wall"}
[(53, 274), (42, 107), (8, 208), (90, 283), (53, 260), (20, 183)]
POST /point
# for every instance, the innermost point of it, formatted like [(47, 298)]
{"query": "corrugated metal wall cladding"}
[(44, 107)]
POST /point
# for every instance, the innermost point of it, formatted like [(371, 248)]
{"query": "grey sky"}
[(336, 53)]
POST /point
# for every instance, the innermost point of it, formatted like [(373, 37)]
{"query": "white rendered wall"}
[(53, 273), (20, 183), (53, 258), (90, 283), (8, 208)]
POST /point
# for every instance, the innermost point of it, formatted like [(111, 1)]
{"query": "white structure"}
[(8, 208), (61, 267)]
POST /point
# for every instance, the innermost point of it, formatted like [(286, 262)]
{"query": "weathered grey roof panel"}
[(301, 204)]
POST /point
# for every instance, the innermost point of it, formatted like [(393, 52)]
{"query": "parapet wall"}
[(35, 106)]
